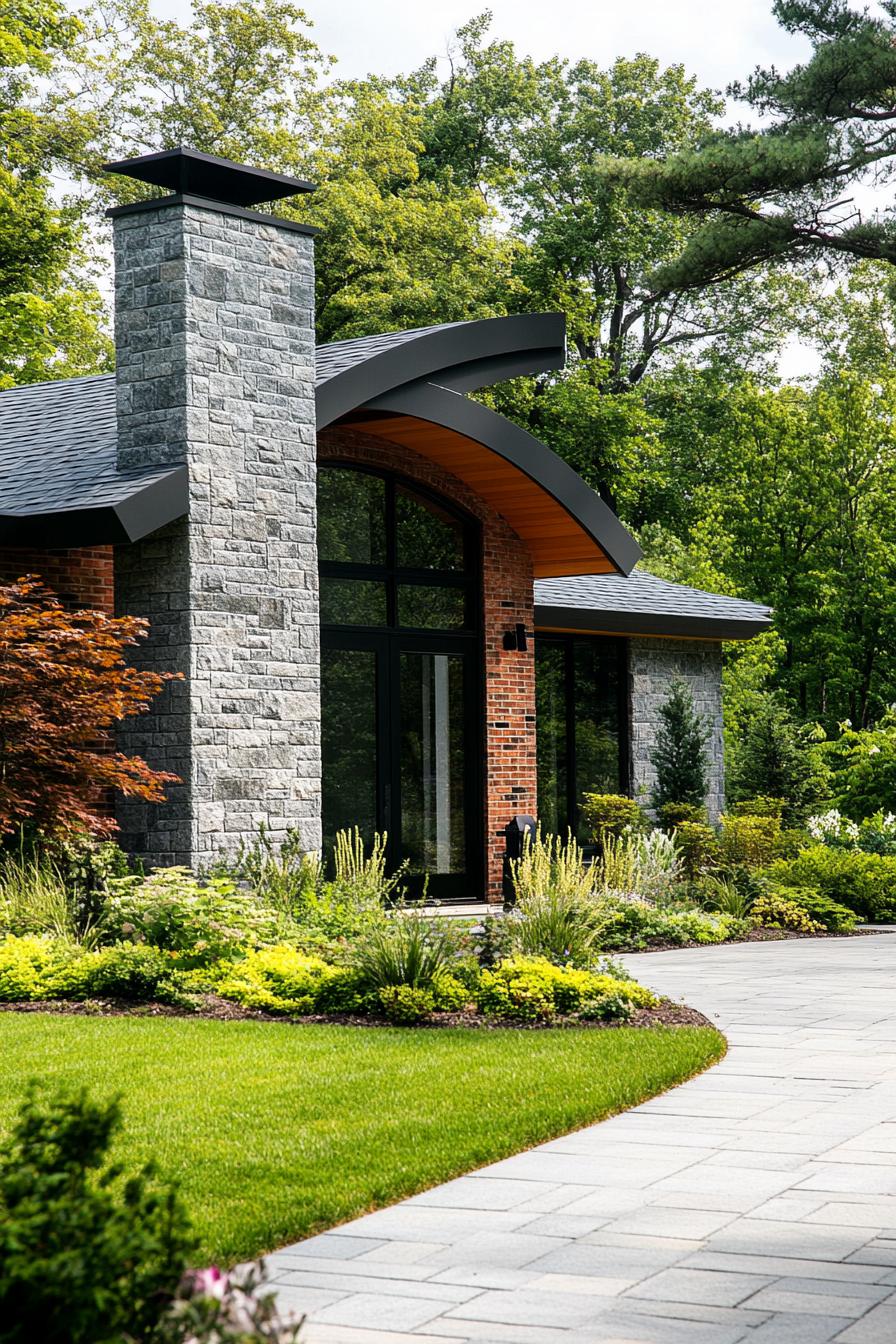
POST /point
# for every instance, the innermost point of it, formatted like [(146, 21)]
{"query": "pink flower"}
[(211, 1282)]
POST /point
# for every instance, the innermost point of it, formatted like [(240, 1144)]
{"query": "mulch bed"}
[(213, 1008), (754, 936)]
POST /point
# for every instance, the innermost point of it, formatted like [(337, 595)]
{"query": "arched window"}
[(392, 555)]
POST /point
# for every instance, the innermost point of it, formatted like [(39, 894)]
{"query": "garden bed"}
[(215, 1009)]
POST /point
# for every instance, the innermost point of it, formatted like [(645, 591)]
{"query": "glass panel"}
[(423, 608), (351, 516), (352, 602), (596, 674), (348, 742), (432, 762), (426, 536), (550, 723)]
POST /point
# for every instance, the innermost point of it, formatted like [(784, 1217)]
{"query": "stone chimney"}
[(214, 335)]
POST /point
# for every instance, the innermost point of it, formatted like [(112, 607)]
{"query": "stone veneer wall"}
[(81, 576), (653, 665), (509, 774), (215, 369)]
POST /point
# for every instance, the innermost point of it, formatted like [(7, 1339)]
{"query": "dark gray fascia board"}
[(589, 620), (159, 502), (449, 355), (450, 409), (218, 207), (189, 172)]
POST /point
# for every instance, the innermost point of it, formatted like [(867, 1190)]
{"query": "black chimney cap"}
[(190, 173)]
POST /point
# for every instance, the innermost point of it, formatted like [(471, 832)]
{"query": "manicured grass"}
[(275, 1132)]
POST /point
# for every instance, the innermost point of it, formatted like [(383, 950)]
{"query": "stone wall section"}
[(508, 708), (215, 346), (653, 665)]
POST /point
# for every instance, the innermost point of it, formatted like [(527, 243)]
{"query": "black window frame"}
[(393, 576), (567, 640)]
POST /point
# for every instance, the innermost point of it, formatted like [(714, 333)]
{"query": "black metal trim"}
[(193, 173), (528, 454), (654, 623), (463, 355), (218, 207), (150, 507)]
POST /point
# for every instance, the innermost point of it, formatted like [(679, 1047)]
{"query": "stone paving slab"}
[(755, 1203)]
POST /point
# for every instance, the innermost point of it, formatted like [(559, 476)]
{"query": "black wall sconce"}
[(516, 639)]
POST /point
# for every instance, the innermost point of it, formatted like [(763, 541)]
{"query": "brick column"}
[(215, 347)]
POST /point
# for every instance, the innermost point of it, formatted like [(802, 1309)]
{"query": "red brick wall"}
[(509, 778), (82, 577)]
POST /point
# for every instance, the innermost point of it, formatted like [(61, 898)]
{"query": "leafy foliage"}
[(64, 683), (773, 910), (610, 814), (774, 757), (534, 989), (87, 1254), (865, 883)]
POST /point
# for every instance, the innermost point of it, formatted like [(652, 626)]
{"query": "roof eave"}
[(658, 624)]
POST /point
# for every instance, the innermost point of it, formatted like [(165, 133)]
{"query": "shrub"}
[(532, 989), (610, 814), (406, 1004), (202, 921), (866, 883), (674, 814), (760, 806), (877, 834), (754, 841), (87, 1255), (38, 968), (698, 847), (632, 926), (774, 911), (550, 866), (679, 756), (280, 980), (65, 681), (835, 918)]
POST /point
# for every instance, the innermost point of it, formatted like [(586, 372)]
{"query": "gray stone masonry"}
[(215, 346), (653, 665)]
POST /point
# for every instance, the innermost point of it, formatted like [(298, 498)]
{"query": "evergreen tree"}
[(785, 190), (774, 759), (678, 756)]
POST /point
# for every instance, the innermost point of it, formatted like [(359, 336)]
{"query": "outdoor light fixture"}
[(516, 639)]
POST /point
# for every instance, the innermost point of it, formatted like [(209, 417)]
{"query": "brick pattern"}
[(215, 346), (81, 577), (653, 665), (509, 775)]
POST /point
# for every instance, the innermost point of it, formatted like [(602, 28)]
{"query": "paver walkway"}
[(754, 1203)]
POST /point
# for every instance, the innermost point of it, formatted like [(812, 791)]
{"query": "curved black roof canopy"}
[(60, 484)]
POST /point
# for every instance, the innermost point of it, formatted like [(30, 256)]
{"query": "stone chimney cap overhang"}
[(187, 172)]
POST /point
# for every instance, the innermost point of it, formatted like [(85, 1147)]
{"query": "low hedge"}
[(533, 989), (632, 926)]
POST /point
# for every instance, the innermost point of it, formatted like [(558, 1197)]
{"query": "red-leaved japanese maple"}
[(64, 684)]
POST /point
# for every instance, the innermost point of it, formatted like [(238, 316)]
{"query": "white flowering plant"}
[(831, 828), (214, 1306)]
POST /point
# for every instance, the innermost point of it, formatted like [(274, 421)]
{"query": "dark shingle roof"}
[(639, 603)]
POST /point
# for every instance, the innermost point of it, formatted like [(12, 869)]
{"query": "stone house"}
[(391, 606)]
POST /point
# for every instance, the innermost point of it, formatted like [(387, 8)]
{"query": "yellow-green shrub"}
[(277, 979), (771, 911), (611, 814), (754, 841), (533, 989)]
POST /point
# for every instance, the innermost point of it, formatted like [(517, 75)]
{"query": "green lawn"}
[(275, 1132)]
